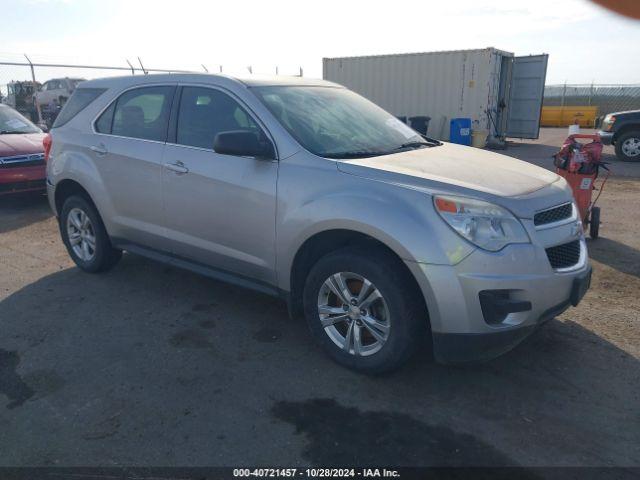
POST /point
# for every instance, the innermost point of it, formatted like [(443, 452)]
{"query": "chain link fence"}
[(607, 98), (39, 90)]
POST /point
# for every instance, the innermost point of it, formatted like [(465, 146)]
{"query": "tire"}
[(594, 223), (628, 146), (399, 317), (80, 222)]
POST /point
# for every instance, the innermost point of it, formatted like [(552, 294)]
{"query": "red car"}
[(22, 165)]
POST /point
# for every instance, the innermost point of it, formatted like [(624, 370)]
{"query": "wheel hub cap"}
[(81, 234), (631, 147), (353, 313)]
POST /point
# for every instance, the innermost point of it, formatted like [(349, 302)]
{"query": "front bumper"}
[(606, 137), (461, 333), (22, 179)]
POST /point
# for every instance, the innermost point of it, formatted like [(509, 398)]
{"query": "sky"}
[(585, 43)]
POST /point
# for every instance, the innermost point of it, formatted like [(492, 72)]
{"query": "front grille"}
[(20, 186), (552, 215), (22, 160), (564, 256)]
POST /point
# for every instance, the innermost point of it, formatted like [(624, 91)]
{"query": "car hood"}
[(21, 144), (454, 165), (626, 112)]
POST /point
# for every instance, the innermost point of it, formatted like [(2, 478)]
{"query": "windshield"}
[(338, 123), (12, 122)]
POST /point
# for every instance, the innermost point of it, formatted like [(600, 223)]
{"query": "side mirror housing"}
[(243, 143)]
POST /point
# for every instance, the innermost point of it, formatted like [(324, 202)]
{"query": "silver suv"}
[(381, 238)]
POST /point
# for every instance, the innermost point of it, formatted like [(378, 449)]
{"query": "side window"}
[(79, 100), (205, 112), (143, 113), (103, 124)]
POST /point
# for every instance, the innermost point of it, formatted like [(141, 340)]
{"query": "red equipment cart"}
[(579, 164)]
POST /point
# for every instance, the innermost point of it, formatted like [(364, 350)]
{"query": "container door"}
[(525, 96)]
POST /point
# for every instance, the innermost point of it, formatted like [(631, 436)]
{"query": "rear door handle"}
[(100, 149), (177, 167)]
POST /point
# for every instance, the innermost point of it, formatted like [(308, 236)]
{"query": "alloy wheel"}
[(81, 234), (354, 313), (631, 147)]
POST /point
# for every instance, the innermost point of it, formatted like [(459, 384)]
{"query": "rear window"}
[(78, 101)]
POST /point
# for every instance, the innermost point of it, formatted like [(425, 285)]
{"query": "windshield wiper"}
[(2, 132), (355, 154), (427, 142), (413, 145)]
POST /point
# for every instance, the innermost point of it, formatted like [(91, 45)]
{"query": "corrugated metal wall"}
[(442, 85)]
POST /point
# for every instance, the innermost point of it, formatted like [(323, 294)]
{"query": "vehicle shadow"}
[(617, 255), (115, 368), (20, 210)]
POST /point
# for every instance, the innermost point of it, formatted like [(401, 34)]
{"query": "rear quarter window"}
[(141, 112), (78, 101)]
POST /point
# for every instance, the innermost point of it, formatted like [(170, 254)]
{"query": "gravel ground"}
[(150, 365)]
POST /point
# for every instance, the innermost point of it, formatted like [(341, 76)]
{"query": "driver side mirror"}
[(243, 143)]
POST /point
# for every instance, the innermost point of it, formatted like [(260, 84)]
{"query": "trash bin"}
[(420, 123), (460, 131)]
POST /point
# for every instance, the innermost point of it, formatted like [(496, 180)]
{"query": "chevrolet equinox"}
[(381, 238)]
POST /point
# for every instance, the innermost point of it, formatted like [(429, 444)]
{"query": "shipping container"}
[(499, 92)]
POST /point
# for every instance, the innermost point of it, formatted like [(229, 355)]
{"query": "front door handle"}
[(100, 149), (177, 167)]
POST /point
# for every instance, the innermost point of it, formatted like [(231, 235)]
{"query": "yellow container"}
[(565, 116), (479, 138)]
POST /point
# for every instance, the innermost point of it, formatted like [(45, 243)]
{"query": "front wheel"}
[(628, 147), (364, 310)]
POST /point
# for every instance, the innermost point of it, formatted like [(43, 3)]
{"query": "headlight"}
[(482, 223)]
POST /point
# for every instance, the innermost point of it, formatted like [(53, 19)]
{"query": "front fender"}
[(403, 219)]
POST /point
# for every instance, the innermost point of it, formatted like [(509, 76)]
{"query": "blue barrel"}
[(460, 131)]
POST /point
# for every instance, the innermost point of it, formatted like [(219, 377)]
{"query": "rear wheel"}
[(85, 237), (363, 310), (594, 223), (628, 146)]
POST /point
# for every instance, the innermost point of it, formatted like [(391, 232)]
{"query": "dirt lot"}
[(150, 365)]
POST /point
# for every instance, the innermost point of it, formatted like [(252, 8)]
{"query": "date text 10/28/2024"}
[(315, 472)]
